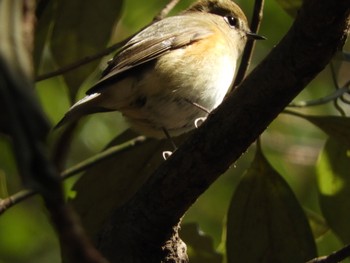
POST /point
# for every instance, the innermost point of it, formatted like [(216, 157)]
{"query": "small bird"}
[(173, 72)]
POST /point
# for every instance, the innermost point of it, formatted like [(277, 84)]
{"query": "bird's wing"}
[(154, 41)]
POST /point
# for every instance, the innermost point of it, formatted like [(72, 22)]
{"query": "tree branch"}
[(83, 61), (149, 219), (334, 257)]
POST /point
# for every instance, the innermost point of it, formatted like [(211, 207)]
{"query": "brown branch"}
[(150, 218), (335, 257), (248, 50)]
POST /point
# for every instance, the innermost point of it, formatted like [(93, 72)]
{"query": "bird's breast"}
[(179, 81)]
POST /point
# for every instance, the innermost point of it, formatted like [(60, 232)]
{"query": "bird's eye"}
[(232, 21)]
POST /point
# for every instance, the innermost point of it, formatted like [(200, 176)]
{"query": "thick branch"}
[(148, 219)]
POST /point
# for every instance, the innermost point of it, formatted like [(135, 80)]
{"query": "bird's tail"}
[(85, 106)]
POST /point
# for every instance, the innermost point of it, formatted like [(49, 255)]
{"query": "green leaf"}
[(112, 182), (265, 221), (200, 247), (290, 6), (333, 176), (335, 126), (82, 27)]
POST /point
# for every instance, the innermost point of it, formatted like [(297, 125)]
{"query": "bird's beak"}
[(254, 36)]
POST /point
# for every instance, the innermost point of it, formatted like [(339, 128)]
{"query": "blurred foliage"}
[(290, 6), (333, 168), (294, 145), (199, 245)]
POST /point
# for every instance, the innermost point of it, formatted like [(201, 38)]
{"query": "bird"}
[(172, 73)]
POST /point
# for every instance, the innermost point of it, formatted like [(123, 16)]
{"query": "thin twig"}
[(335, 95), (101, 156), (335, 82), (248, 51), (165, 11), (107, 51), (80, 167), (339, 108), (345, 100), (294, 113), (335, 257), (342, 98), (82, 62)]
